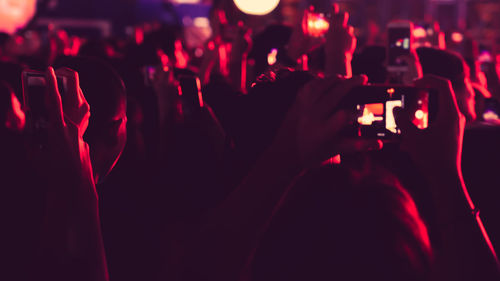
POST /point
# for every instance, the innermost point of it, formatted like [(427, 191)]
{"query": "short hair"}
[(336, 224)]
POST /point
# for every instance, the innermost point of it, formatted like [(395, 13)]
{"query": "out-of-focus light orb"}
[(419, 32), (419, 114), (256, 7), (15, 14), (272, 57), (457, 37)]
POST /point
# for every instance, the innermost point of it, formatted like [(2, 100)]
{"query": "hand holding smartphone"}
[(34, 98), (372, 109)]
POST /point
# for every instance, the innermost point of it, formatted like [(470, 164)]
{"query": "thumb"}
[(403, 121)]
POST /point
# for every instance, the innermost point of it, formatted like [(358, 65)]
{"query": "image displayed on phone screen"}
[(377, 119), (399, 45)]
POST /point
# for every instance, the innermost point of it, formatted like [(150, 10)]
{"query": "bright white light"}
[(419, 114), (419, 32), (201, 22), (15, 14), (271, 57), (256, 7), (457, 37), (406, 43), (490, 116)]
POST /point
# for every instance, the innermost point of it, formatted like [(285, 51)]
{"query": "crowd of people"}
[(137, 159)]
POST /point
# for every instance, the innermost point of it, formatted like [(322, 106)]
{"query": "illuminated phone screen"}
[(376, 119), (399, 45), (35, 90)]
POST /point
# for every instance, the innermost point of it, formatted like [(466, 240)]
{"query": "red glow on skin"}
[(304, 62), (419, 226), (180, 55), (243, 85), (441, 41), (480, 223), (16, 119), (163, 57), (335, 160), (139, 35), (487, 238), (200, 96), (211, 45), (224, 50), (222, 17)]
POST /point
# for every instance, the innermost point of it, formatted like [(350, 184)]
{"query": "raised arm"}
[(340, 44), (309, 134), (71, 245), (466, 252)]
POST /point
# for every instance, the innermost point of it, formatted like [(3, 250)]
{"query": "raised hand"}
[(340, 44), (438, 147), (300, 42), (312, 126)]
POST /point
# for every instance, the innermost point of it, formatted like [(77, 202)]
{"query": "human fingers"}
[(328, 102), (447, 103), (53, 99)]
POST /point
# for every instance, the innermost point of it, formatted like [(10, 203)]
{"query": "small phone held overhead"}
[(400, 41), (372, 107), (34, 100)]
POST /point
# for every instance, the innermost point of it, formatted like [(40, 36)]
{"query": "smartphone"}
[(190, 92), (372, 109), (316, 24), (34, 91), (400, 40)]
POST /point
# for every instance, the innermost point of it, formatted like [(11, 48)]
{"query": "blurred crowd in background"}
[(250, 140)]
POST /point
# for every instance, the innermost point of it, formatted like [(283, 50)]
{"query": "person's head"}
[(337, 227), (451, 66), (264, 108), (105, 92)]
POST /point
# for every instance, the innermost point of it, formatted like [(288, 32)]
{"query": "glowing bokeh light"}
[(419, 32), (272, 57), (457, 37), (15, 14), (419, 114), (256, 7)]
